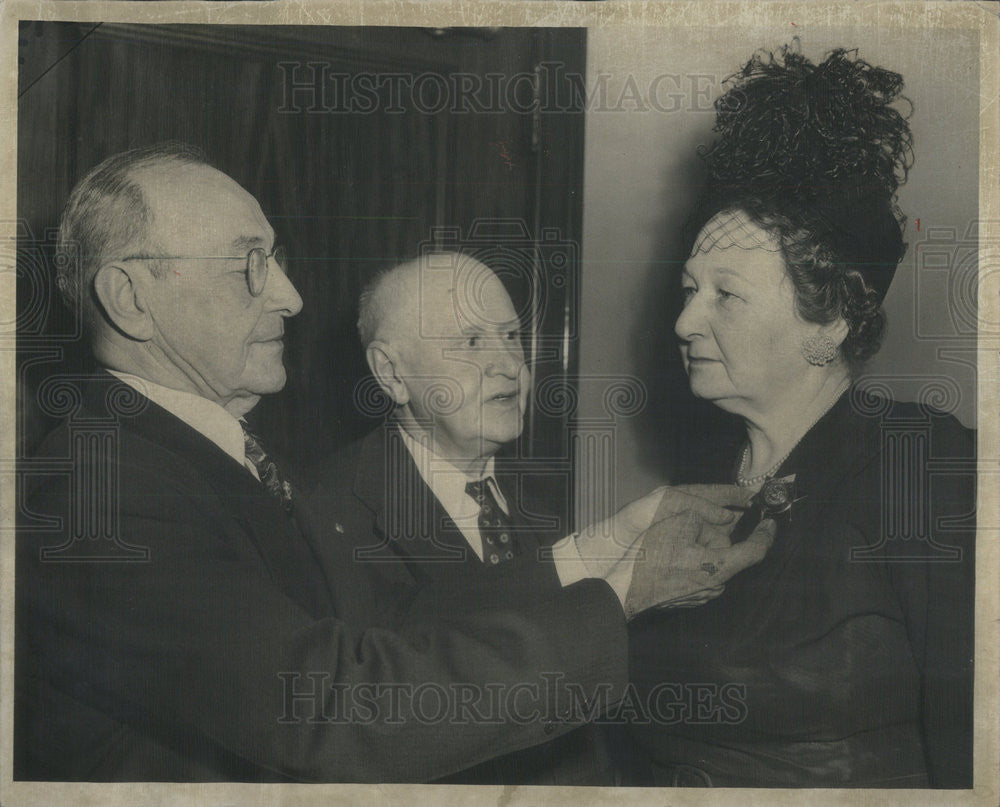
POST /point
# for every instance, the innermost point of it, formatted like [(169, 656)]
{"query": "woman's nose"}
[(688, 323)]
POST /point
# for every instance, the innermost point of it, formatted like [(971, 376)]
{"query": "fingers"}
[(700, 597), (714, 536), (721, 495), (690, 527), (670, 534), (734, 559), (760, 540), (692, 600), (678, 500), (687, 562), (639, 514), (712, 513)]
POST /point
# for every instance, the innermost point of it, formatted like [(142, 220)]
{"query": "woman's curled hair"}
[(814, 154)]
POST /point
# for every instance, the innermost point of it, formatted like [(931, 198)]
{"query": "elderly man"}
[(424, 500), (178, 623)]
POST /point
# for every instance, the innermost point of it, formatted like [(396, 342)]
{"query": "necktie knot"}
[(477, 490), (266, 468)]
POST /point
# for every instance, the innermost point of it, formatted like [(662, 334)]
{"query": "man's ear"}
[(122, 297), (385, 365)]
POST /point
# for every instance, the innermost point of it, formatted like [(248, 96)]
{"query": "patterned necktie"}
[(267, 470), (499, 543)]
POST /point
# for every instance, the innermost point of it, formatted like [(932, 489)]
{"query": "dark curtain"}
[(346, 191)]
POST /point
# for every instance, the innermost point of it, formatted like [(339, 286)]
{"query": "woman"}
[(844, 658)]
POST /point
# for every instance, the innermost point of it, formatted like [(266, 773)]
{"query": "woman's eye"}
[(687, 292), (726, 296)]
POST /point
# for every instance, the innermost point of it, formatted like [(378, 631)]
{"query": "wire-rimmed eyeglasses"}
[(256, 266)]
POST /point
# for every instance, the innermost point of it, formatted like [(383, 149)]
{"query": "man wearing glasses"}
[(213, 649)]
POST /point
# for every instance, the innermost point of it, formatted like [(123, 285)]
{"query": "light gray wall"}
[(641, 171)]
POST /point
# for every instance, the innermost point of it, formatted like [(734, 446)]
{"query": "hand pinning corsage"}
[(773, 500)]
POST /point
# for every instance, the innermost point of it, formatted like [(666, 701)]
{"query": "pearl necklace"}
[(752, 481)]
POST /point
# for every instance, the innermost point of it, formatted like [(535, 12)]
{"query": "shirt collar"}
[(204, 416), (447, 482)]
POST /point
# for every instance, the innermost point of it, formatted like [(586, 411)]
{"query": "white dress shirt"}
[(448, 483)]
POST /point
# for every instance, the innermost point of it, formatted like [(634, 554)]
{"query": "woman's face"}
[(740, 332)]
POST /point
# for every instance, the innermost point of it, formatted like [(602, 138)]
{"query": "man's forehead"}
[(200, 203), (164, 179), (457, 294)]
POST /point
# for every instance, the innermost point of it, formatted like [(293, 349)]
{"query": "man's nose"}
[(506, 359), (281, 294)]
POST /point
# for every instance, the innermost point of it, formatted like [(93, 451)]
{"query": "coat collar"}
[(107, 401), (839, 443), (407, 515)]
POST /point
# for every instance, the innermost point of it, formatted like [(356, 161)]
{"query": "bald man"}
[(423, 501), (443, 340)]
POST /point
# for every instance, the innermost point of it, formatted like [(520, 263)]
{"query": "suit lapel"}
[(409, 523), (836, 446), (229, 485), (412, 527)]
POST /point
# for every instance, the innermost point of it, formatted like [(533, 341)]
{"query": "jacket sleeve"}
[(200, 641)]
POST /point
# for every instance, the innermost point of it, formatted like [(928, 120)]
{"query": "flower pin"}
[(775, 497)]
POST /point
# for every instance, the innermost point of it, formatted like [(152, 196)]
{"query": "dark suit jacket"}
[(374, 502), (218, 652)]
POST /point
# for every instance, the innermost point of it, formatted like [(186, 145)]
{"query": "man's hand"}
[(716, 505), (604, 544), (687, 553)]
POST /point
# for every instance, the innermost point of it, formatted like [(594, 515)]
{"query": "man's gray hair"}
[(107, 212), (371, 304)]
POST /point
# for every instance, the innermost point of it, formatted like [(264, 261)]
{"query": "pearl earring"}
[(819, 350)]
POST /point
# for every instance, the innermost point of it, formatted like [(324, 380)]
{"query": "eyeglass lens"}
[(257, 268)]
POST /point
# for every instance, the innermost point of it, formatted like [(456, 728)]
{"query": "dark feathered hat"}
[(818, 145)]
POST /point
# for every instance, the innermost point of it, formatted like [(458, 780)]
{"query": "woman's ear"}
[(384, 362), (836, 330), (120, 290)]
